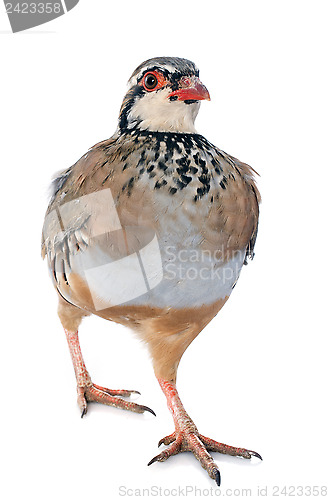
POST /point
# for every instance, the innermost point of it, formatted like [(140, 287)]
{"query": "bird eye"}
[(150, 81)]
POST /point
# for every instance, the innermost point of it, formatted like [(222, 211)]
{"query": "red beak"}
[(191, 89)]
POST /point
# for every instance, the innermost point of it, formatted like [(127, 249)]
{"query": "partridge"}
[(150, 229)]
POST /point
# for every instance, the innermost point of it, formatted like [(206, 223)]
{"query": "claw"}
[(217, 477), (255, 454), (146, 408), (83, 413), (167, 439), (163, 441), (154, 459)]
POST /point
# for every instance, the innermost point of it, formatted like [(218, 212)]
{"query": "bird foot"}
[(183, 440), (95, 393)]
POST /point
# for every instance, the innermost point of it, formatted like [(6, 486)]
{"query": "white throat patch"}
[(156, 113)]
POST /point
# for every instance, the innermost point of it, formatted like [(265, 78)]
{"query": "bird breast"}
[(166, 219)]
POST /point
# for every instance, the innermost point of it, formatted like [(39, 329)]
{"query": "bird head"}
[(164, 96)]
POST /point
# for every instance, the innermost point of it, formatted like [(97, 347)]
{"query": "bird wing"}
[(231, 221), (248, 174), (86, 229)]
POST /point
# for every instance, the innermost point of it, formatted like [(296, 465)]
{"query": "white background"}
[(257, 375)]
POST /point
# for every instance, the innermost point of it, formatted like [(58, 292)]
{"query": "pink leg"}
[(87, 391), (187, 438)]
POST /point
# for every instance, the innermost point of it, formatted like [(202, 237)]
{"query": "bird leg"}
[(187, 438), (89, 392)]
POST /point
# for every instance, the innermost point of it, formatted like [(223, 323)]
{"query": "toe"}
[(117, 392), (82, 402), (212, 445), (93, 394), (172, 449), (167, 439), (200, 452)]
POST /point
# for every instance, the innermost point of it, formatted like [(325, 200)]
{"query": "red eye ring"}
[(153, 80)]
